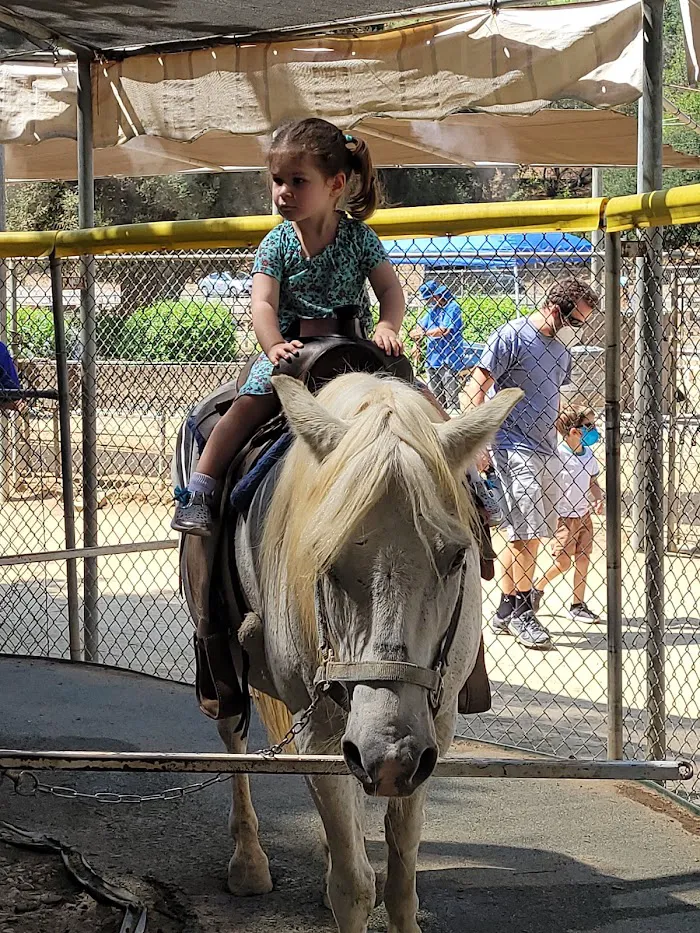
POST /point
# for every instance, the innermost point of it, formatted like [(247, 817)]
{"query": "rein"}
[(332, 676)]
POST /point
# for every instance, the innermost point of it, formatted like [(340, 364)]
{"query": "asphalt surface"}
[(498, 855)]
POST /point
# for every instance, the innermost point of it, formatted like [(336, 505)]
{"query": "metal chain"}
[(26, 784)]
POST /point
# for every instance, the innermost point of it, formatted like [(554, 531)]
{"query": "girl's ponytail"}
[(365, 196)]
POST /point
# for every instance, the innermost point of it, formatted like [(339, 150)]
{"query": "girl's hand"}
[(387, 338), (284, 351), (599, 506)]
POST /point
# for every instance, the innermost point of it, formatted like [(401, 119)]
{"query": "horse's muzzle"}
[(394, 770)]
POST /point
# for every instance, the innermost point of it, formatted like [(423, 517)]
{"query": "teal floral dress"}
[(314, 287)]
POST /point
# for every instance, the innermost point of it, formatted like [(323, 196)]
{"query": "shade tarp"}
[(508, 60), (105, 26), (494, 251), (550, 137)]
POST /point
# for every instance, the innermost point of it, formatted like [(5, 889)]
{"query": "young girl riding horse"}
[(318, 259)]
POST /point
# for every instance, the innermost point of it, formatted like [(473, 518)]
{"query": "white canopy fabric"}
[(511, 60), (508, 60), (549, 137)]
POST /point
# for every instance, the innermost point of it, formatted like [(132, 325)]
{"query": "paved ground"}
[(511, 856)]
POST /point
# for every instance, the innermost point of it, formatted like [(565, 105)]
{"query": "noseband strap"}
[(331, 675), (359, 671)]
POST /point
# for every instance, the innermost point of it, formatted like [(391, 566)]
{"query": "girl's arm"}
[(392, 307), (265, 309)]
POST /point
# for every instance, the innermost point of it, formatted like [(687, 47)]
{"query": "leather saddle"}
[(217, 602)]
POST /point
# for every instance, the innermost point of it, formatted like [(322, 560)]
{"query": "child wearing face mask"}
[(580, 493)]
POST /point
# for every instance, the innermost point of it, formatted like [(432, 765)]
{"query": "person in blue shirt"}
[(8, 377), (441, 327)]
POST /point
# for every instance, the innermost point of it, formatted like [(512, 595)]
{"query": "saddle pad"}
[(243, 492)]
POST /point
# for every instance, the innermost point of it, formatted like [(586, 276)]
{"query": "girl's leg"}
[(581, 564), (560, 565), (236, 427)]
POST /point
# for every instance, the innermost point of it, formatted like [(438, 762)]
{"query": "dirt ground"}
[(37, 895)]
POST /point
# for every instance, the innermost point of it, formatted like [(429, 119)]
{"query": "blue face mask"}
[(589, 437)]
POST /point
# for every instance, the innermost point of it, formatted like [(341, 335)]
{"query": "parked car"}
[(225, 285)]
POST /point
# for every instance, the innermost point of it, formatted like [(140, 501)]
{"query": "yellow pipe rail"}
[(657, 208), (577, 214)]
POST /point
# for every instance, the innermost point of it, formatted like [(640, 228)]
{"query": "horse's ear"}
[(463, 437), (309, 420)]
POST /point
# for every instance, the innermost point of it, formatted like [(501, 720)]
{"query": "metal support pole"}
[(672, 407), (221, 763), (649, 178), (597, 235), (650, 324), (66, 454), (6, 424), (86, 215), (613, 490)]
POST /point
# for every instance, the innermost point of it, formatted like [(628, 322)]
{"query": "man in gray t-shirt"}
[(530, 353)]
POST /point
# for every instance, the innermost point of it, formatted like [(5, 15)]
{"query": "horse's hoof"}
[(248, 878)]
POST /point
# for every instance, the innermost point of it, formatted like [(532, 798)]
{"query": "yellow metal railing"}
[(675, 206), (579, 214)]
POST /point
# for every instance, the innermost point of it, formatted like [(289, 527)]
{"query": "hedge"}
[(178, 332), (167, 332), (204, 331)]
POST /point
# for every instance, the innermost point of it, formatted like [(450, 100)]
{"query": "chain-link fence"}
[(166, 328)]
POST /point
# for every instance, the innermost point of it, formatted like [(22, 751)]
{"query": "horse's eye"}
[(360, 542), (457, 561)]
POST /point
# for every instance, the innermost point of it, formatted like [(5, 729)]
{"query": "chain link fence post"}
[(613, 490), (66, 457), (653, 487), (86, 192)]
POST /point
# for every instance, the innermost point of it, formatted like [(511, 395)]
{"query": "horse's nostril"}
[(426, 765), (353, 759)]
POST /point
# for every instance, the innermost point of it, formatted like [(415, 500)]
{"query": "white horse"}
[(365, 558)]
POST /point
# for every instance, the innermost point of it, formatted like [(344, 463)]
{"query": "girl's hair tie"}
[(350, 139)]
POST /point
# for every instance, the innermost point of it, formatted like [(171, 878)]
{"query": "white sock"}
[(200, 482)]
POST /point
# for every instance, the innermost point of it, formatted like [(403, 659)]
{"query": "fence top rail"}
[(654, 209), (581, 215), (675, 206)]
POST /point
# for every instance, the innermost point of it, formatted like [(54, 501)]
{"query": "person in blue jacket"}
[(8, 377), (441, 328)]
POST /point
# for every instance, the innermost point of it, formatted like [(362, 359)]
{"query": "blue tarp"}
[(494, 251)]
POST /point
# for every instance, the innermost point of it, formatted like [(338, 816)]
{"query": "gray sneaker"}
[(582, 613), (193, 515), (499, 626), (529, 631)]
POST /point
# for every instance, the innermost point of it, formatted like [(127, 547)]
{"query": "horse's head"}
[(381, 558)]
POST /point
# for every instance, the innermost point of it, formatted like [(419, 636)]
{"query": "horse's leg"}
[(403, 823), (248, 870), (350, 878)]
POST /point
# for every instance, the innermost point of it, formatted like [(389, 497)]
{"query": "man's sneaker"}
[(582, 613), (499, 626), (192, 515), (529, 631)]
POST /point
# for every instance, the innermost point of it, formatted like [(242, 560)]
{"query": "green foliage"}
[(177, 332), (167, 332), (482, 314), (35, 335)]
